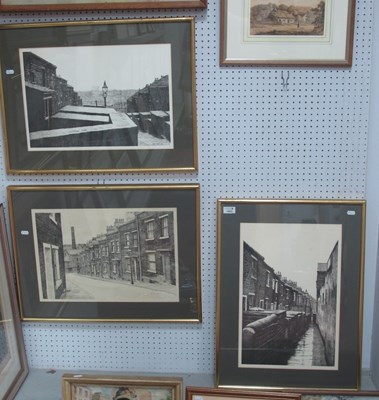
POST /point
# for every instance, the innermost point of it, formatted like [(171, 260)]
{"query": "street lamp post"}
[(105, 93)]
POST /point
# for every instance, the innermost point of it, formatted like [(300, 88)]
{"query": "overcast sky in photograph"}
[(122, 67), (293, 249)]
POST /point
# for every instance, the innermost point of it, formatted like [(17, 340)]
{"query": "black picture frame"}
[(110, 115), (114, 253), (288, 269)]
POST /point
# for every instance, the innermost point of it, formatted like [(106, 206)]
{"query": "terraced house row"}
[(143, 248), (265, 288)]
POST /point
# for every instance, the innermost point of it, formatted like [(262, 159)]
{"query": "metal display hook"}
[(285, 81)]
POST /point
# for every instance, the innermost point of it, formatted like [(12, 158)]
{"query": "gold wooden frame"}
[(103, 5), (129, 382), (234, 394), (14, 371), (255, 60), (37, 305), (229, 374), (180, 155)]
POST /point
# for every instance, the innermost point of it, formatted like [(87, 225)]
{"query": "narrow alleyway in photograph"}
[(310, 350)]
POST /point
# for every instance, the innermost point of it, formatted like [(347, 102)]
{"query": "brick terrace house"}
[(264, 288), (46, 93), (141, 249), (149, 108)]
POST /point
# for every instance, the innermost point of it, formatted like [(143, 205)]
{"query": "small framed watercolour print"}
[(116, 253), (130, 107), (289, 293), (54, 5), (287, 32), (108, 387), (13, 364)]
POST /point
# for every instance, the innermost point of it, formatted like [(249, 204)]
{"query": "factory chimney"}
[(73, 241)]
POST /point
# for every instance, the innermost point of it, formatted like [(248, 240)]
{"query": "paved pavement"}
[(145, 139), (95, 289)]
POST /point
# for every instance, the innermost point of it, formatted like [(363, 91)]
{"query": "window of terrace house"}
[(164, 226), (127, 239), (152, 266), (150, 230), (254, 267)]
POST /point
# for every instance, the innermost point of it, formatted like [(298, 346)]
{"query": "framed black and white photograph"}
[(97, 108), (287, 32), (131, 249), (13, 362), (67, 5), (114, 96), (290, 265)]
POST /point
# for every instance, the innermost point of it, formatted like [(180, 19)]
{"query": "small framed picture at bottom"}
[(194, 393), (78, 387)]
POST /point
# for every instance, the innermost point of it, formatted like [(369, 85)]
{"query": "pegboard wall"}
[(255, 140)]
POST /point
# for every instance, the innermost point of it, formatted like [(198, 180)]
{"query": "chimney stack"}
[(73, 242)]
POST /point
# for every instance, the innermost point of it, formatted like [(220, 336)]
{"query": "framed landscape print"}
[(130, 106), (115, 253), (289, 293), (53, 5), (79, 387), (13, 364), (287, 32)]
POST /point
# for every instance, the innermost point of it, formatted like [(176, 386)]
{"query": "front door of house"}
[(166, 267)]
